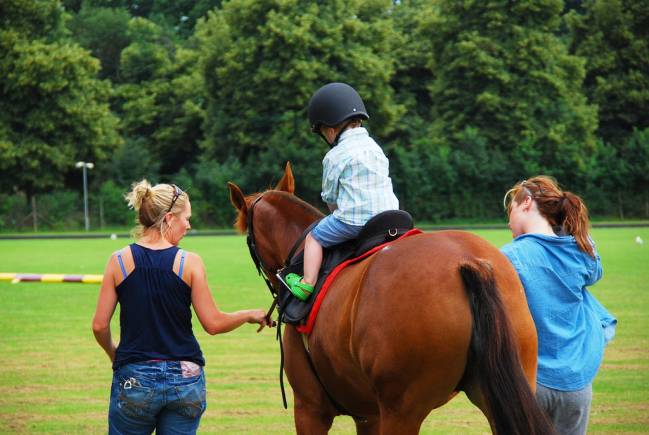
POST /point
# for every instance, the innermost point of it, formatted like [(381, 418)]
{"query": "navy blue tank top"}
[(155, 315)]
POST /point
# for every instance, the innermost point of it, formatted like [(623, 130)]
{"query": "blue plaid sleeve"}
[(330, 179)]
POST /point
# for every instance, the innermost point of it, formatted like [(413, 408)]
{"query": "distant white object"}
[(114, 237), (638, 240)]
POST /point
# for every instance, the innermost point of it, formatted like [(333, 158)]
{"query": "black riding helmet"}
[(334, 103)]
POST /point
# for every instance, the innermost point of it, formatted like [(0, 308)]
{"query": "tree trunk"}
[(620, 205), (101, 212), (34, 214)]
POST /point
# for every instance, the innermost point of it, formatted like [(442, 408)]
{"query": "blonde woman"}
[(158, 380)]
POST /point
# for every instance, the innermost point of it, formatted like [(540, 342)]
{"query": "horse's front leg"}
[(369, 426), (310, 419), (313, 411)]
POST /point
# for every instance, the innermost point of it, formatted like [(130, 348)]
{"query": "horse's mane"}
[(241, 223)]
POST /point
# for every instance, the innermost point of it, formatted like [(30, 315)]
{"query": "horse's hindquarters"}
[(397, 325), (396, 328)]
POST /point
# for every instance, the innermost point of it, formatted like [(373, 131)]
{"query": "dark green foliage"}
[(613, 37), (503, 72), (110, 205), (181, 15), (262, 61), (417, 23), (59, 210), (14, 212), (466, 98), (53, 109), (492, 97), (36, 18), (209, 196), (130, 162), (104, 32), (160, 97), (423, 179)]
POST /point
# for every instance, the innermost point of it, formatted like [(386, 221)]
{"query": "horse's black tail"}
[(494, 355)]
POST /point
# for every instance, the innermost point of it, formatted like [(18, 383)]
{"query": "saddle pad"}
[(308, 326)]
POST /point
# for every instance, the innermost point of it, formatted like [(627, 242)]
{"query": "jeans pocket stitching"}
[(135, 401), (191, 398)]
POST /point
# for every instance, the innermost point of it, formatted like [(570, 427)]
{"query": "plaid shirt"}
[(355, 178)]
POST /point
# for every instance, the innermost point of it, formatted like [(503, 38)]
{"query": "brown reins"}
[(263, 271)]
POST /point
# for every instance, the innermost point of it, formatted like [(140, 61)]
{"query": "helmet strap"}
[(324, 139), (342, 130)]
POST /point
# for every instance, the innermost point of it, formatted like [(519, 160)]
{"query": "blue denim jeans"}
[(331, 231), (166, 396)]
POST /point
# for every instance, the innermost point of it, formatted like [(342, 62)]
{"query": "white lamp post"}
[(85, 166)]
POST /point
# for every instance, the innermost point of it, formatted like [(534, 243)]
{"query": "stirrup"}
[(300, 290)]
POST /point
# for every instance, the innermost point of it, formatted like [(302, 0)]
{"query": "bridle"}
[(262, 269)]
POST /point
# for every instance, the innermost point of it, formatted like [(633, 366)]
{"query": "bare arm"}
[(105, 309), (332, 207), (213, 320)]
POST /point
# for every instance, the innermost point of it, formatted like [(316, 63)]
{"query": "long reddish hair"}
[(561, 208)]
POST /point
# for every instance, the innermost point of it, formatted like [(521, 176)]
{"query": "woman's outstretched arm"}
[(213, 320)]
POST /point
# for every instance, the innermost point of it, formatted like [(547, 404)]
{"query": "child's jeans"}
[(168, 396), (331, 231)]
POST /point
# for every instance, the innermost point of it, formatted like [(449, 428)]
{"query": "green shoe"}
[(300, 290)]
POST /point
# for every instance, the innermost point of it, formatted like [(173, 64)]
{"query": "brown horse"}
[(403, 331)]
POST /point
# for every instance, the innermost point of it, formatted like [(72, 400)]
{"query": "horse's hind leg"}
[(473, 392)]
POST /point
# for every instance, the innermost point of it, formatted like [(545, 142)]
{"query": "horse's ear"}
[(287, 183), (236, 197)]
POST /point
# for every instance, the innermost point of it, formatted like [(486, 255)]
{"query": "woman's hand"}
[(259, 317)]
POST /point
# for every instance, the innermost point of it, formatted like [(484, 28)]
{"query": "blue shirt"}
[(355, 178), (155, 316), (572, 326)]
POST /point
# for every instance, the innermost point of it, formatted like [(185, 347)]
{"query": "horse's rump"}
[(407, 299)]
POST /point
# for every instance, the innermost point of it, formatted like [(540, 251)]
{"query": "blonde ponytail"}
[(140, 191), (151, 204)]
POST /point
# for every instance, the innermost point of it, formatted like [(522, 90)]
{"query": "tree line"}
[(466, 98)]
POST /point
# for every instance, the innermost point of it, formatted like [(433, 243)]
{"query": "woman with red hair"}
[(556, 260)]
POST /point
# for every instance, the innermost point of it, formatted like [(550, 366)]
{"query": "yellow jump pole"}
[(50, 277)]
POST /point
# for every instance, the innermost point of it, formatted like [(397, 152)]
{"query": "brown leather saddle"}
[(382, 228)]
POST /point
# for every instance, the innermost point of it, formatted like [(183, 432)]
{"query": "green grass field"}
[(55, 379)]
